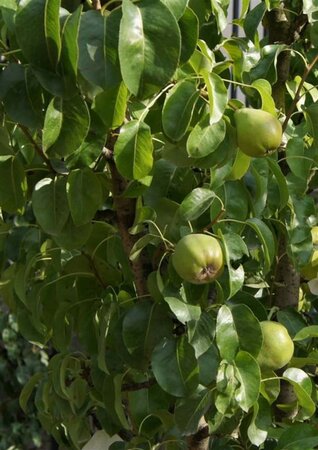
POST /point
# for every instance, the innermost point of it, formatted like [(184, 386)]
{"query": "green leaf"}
[(103, 319), (148, 53), (112, 398), (264, 88), (133, 150), (178, 109), (183, 311), (111, 105), (248, 329), (248, 374), (217, 92), (49, 203), (205, 138), (226, 336), (189, 28), (175, 367), (196, 203), (70, 52), (177, 7), (267, 240), (66, 125), (201, 333), (261, 421), (21, 95), (253, 19), (27, 390), (298, 437), (144, 326), (73, 237), (297, 159), (84, 194), (311, 115), (98, 48), (281, 181), (307, 332), (43, 47), (302, 386), (234, 249), (13, 185), (189, 411)]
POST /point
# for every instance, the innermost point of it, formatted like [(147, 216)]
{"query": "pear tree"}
[(158, 208)]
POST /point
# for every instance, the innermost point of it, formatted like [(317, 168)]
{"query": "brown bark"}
[(284, 28), (125, 213), (199, 440)]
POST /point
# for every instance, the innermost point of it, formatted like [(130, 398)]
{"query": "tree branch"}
[(298, 92), (125, 213), (96, 5), (138, 386), (199, 440), (36, 146)]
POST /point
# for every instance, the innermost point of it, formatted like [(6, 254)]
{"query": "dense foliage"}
[(118, 138), (19, 361)]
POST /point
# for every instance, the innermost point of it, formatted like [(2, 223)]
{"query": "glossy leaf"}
[(175, 367), (201, 333), (264, 89), (66, 125), (133, 150), (43, 47), (196, 203), (149, 53), (189, 29), (183, 311), (205, 138), (226, 336), (98, 48), (260, 423), (84, 194), (177, 7), (111, 105), (217, 93), (178, 108), (248, 373), (302, 387), (49, 203)]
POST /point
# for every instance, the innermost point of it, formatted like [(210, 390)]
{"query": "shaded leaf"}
[(50, 206), (178, 108), (175, 367), (84, 194)]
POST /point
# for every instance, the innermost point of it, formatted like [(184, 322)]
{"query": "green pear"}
[(258, 132)]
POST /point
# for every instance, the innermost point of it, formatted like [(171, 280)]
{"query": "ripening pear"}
[(258, 132)]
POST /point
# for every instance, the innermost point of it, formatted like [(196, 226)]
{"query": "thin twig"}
[(138, 386), (36, 146), (97, 5), (298, 92)]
